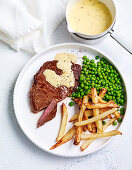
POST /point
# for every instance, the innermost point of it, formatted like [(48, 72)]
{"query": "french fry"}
[(80, 117), (109, 116), (94, 128), (104, 110), (78, 135), (68, 136), (96, 111), (85, 100), (78, 101), (87, 112), (89, 141), (98, 122), (86, 144), (94, 95), (109, 123), (100, 135), (63, 122), (89, 127), (100, 105), (102, 92), (75, 117), (100, 100), (101, 116), (84, 128), (117, 114)]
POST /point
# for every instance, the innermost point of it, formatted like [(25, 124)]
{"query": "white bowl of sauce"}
[(90, 21)]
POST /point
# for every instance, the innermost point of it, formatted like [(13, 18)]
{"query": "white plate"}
[(45, 136)]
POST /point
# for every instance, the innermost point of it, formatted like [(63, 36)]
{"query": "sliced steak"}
[(49, 113), (42, 93)]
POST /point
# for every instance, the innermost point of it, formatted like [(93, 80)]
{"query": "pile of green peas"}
[(100, 75)]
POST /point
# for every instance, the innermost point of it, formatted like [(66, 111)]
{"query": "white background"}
[(18, 153)]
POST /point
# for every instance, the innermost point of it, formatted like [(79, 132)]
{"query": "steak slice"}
[(49, 113), (42, 93)]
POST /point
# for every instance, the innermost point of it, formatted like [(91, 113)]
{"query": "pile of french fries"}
[(89, 119)]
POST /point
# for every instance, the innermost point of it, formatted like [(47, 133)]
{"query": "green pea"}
[(96, 81), (103, 82), (81, 90), (122, 96), (84, 57), (86, 92), (121, 102), (78, 96), (87, 60), (86, 87), (96, 72), (92, 78), (71, 103), (82, 85), (114, 123), (84, 69), (120, 88), (111, 67), (84, 62), (120, 119), (102, 59), (92, 65), (86, 72), (122, 92), (82, 93), (113, 97), (97, 57), (92, 84), (122, 111), (73, 94), (103, 122), (82, 78), (92, 61), (98, 63), (102, 62), (84, 81)]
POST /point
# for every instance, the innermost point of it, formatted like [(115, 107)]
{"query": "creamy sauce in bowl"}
[(90, 17)]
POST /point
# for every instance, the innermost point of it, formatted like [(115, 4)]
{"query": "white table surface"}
[(18, 153)]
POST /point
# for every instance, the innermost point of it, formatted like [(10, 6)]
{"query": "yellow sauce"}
[(64, 63), (66, 56), (89, 17)]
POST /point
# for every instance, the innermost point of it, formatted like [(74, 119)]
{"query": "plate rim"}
[(30, 61)]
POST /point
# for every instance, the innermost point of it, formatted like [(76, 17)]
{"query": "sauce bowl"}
[(93, 39)]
